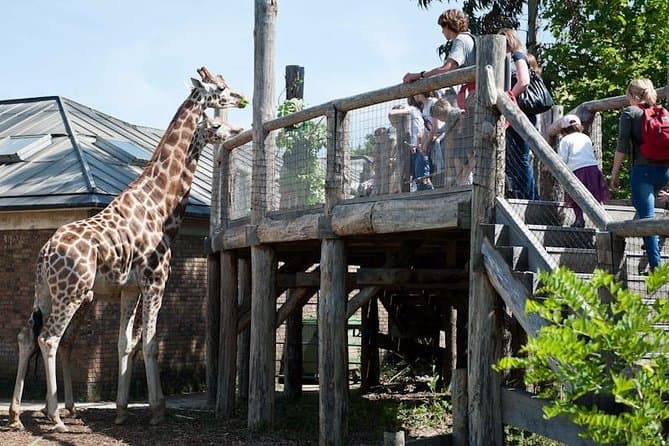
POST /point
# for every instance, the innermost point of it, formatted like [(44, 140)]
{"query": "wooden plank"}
[(484, 326), (459, 401), (524, 411), (332, 348), (512, 291), (296, 299), (227, 354)]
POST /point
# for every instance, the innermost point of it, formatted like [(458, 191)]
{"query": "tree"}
[(488, 16), (599, 46), (302, 176)]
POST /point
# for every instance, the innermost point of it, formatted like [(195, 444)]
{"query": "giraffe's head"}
[(215, 91), (218, 130)]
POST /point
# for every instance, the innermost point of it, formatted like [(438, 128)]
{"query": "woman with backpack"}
[(648, 174)]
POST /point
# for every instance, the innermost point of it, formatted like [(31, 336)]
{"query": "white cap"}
[(569, 120)]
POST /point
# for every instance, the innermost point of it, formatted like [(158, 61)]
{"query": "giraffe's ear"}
[(196, 82)]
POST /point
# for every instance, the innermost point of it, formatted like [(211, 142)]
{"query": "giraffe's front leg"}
[(152, 297), (126, 348), (26, 340)]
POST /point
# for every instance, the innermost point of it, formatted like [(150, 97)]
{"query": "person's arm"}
[(563, 150), (522, 77), (449, 65), (618, 159)]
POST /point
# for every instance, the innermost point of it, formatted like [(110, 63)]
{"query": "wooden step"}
[(566, 237), (497, 234), (579, 260)]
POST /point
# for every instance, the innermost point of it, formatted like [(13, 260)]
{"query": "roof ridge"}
[(90, 181)]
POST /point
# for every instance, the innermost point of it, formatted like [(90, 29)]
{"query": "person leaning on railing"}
[(454, 25), (647, 177)]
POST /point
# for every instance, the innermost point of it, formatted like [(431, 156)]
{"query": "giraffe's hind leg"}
[(27, 345), (48, 341)]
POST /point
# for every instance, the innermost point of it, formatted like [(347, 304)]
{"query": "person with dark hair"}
[(519, 173), (576, 151), (454, 26), (647, 177)]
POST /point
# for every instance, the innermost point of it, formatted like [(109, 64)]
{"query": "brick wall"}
[(180, 332)]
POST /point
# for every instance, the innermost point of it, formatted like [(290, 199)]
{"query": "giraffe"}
[(125, 247), (209, 131)]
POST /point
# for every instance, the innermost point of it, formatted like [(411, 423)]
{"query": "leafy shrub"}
[(603, 348)]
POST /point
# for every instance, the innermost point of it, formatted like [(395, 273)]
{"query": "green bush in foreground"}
[(592, 347)]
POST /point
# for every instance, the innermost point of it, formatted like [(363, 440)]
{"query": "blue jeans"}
[(646, 181), (519, 173)]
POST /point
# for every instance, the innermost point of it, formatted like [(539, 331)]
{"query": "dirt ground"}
[(294, 425)]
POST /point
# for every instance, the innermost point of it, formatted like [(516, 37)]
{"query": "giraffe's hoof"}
[(44, 411), (15, 424), (59, 427), (70, 412), (121, 415)]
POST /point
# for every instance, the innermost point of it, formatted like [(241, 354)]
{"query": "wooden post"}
[(292, 371), (263, 264), (213, 324), (218, 220), (401, 119), (332, 321), (227, 355), (244, 337), (292, 367), (370, 367), (485, 329), (382, 147)]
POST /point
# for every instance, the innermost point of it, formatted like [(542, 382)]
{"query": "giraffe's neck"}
[(165, 182)]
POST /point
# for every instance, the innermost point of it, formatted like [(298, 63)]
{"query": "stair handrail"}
[(572, 185)]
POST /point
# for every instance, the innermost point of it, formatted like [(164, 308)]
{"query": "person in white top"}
[(576, 151)]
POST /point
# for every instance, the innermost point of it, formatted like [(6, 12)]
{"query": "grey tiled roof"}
[(72, 166)]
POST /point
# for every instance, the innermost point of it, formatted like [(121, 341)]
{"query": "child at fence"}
[(576, 151)]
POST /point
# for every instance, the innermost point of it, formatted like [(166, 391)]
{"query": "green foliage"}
[(603, 348), (302, 175), (598, 47), (517, 437)]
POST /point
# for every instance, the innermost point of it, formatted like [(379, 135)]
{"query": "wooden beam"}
[(400, 91), (399, 215), (640, 228), (524, 411), (361, 298), (513, 292)]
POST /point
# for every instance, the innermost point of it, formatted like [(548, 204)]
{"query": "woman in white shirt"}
[(576, 151)]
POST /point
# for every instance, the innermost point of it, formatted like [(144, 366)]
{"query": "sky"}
[(133, 60)]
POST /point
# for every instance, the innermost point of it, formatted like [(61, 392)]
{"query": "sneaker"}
[(578, 224)]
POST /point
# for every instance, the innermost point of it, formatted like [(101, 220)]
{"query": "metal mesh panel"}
[(392, 150), (300, 164), (241, 162)]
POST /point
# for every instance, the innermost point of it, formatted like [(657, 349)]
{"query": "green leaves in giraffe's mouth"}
[(242, 103)]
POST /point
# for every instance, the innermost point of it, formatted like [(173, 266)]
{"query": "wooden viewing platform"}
[(437, 260)]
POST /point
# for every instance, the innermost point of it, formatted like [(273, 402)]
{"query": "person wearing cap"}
[(576, 151)]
